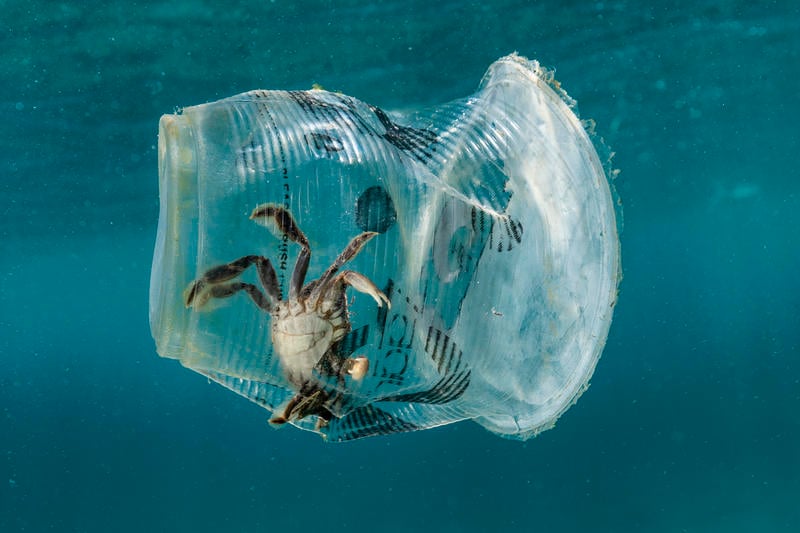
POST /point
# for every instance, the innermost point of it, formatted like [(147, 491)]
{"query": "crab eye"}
[(454, 264)]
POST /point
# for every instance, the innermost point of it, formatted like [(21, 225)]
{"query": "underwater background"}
[(692, 420)]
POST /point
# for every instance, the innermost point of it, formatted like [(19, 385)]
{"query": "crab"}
[(307, 328)]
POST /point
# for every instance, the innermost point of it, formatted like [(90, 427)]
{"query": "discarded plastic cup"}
[(358, 272)]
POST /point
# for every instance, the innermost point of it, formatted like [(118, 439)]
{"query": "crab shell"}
[(301, 337)]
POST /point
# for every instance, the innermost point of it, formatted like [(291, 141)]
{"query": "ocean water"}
[(692, 421)]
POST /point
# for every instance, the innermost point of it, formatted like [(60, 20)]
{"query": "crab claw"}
[(357, 367), (363, 284)]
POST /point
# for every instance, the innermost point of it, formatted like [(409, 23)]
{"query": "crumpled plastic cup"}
[(493, 236)]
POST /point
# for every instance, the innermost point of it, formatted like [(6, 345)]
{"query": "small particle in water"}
[(19, 106), (12, 483)]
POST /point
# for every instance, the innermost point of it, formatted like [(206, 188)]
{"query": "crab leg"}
[(347, 254), (280, 222), (229, 289), (212, 283), (310, 400)]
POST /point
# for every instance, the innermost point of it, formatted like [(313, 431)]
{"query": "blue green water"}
[(692, 422)]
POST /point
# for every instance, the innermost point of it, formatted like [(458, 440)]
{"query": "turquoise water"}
[(692, 422)]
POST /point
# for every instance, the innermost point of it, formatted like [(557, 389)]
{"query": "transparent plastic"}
[(483, 288)]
